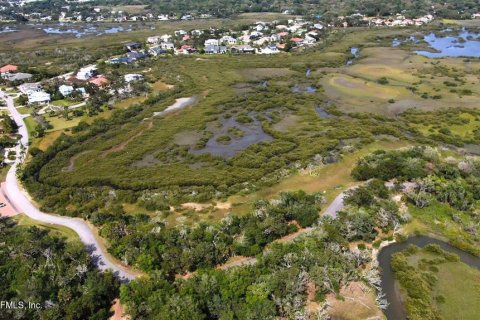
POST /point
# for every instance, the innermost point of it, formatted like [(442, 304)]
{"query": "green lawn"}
[(24, 110), (454, 287), (61, 231), (63, 103), (460, 285)]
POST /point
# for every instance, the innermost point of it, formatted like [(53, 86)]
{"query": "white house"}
[(268, 50), (165, 37), (228, 40), (38, 97), (180, 33), (86, 73), (132, 77), (65, 90), (167, 46), (163, 17), (27, 87), (309, 40), (154, 40), (211, 42)]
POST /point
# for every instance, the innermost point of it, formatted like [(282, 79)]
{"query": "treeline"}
[(276, 286), (150, 245), (60, 276), (432, 179), (285, 277)]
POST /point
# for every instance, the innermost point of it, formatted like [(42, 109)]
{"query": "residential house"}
[(213, 49), (167, 46), (154, 40), (196, 32), (99, 80), (9, 68), (268, 50), (134, 56), (274, 37), (180, 33), (131, 46), (163, 17), (65, 90), (185, 49), (156, 51), (165, 37), (27, 87), (133, 77), (309, 40), (242, 49), (211, 42), (119, 60), (228, 40), (86, 72), (38, 97), (262, 41), (297, 41), (19, 76)]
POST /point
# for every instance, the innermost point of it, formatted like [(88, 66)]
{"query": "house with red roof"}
[(99, 80), (297, 40), (8, 68)]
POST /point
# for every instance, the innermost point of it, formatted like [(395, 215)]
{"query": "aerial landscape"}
[(307, 159)]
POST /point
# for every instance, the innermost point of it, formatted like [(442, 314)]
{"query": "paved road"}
[(21, 202)]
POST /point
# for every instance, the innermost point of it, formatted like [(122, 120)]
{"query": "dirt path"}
[(71, 162), (124, 144)]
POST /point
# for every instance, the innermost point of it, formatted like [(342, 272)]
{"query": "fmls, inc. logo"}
[(19, 305)]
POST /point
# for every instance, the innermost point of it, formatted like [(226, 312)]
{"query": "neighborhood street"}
[(21, 202)]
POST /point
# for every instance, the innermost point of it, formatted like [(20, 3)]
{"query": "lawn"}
[(24, 110), (63, 103), (460, 285), (454, 287), (61, 231)]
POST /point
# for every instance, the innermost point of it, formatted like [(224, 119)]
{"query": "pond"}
[(252, 133), (83, 30), (355, 53), (303, 88), (395, 309), (465, 44), (322, 113)]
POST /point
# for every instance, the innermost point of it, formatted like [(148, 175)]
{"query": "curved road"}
[(22, 203)]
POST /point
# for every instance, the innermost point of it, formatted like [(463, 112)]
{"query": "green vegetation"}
[(444, 195), (60, 276), (436, 284)]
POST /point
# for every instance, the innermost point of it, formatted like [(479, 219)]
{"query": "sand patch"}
[(359, 303)]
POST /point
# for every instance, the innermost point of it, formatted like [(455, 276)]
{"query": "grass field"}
[(331, 179), (460, 285), (63, 103), (456, 283), (61, 231)]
